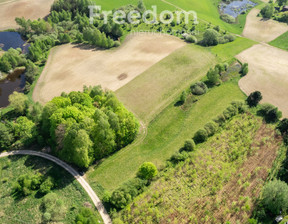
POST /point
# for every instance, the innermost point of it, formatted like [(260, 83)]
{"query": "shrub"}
[(254, 99), (125, 194), (25, 130), (189, 145), (283, 126), (19, 102), (6, 136), (275, 196), (210, 37), (179, 156), (213, 76), (47, 216), (230, 112), (191, 39), (200, 136), (244, 69), (199, 88), (147, 171), (183, 97), (270, 112), (87, 216), (220, 119), (211, 128), (229, 37), (46, 186), (227, 18), (117, 43), (267, 11)]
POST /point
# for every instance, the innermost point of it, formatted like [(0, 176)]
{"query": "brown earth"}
[(69, 67), (29, 9), (262, 30), (267, 73)]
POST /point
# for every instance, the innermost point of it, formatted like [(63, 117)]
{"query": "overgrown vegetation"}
[(276, 10), (32, 173), (187, 191)]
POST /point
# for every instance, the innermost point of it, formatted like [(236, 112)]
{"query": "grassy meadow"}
[(165, 81), (281, 42), (164, 136), (28, 209), (225, 52)]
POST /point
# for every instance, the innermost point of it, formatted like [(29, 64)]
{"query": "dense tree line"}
[(79, 126)]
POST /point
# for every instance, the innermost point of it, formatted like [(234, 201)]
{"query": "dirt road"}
[(81, 180)]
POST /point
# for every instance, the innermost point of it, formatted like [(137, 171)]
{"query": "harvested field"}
[(30, 9), (267, 73), (69, 67), (262, 30)]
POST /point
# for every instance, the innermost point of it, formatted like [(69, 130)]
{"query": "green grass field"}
[(165, 135), (165, 80), (28, 209), (281, 42), (206, 10), (227, 51)]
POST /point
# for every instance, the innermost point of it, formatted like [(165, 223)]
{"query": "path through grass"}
[(166, 134), (28, 209)]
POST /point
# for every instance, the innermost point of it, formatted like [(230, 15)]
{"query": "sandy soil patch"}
[(258, 29), (268, 68), (69, 67), (30, 9)]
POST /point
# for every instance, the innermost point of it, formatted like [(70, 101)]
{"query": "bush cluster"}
[(26, 184), (199, 88), (270, 113)]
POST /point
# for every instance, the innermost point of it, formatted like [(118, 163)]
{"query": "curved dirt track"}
[(268, 68), (29, 9), (69, 67), (258, 29), (73, 172)]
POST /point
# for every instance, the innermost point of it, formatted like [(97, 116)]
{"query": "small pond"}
[(235, 8), (14, 40), (16, 80)]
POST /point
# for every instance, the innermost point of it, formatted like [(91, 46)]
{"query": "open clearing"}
[(262, 30), (69, 67), (30, 9), (267, 73), (165, 135)]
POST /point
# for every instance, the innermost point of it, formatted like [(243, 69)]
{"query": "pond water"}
[(14, 40), (235, 8), (16, 80)]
